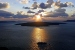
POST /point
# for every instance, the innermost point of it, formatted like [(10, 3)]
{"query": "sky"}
[(26, 9)]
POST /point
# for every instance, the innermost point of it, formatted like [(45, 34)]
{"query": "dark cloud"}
[(57, 12), (34, 0), (40, 11), (4, 5), (26, 7), (20, 14), (5, 14), (60, 10), (50, 1), (34, 5), (62, 5), (43, 6), (30, 11), (46, 5), (59, 4)]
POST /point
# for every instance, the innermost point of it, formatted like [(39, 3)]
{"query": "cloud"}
[(40, 11), (57, 12), (26, 7), (70, 4), (4, 5), (34, 0), (5, 14), (50, 2), (60, 10), (46, 5), (58, 4), (34, 5), (23, 1), (54, 19), (30, 11), (20, 14), (73, 15), (43, 6)]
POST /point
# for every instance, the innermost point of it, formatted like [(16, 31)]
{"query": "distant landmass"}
[(38, 24), (6, 21), (70, 21)]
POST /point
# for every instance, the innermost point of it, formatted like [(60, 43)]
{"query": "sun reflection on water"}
[(38, 35)]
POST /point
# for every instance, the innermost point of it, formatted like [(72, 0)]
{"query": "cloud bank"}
[(5, 14), (59, 13)]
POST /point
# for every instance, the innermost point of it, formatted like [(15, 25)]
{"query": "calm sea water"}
[(15, 37)]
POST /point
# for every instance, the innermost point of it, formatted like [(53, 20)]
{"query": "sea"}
[(56, 37)]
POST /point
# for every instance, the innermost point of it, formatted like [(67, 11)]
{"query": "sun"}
[(38, 18)]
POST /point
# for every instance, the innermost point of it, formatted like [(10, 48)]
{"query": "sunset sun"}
[(38, 17)]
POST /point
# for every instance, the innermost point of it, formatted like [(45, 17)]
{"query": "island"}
[(39, 24), (70, 21)]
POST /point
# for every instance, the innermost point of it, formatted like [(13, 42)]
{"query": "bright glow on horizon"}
[(38, 18)]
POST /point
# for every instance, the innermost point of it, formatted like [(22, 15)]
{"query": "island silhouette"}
[(40, 24), (70, 21)]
